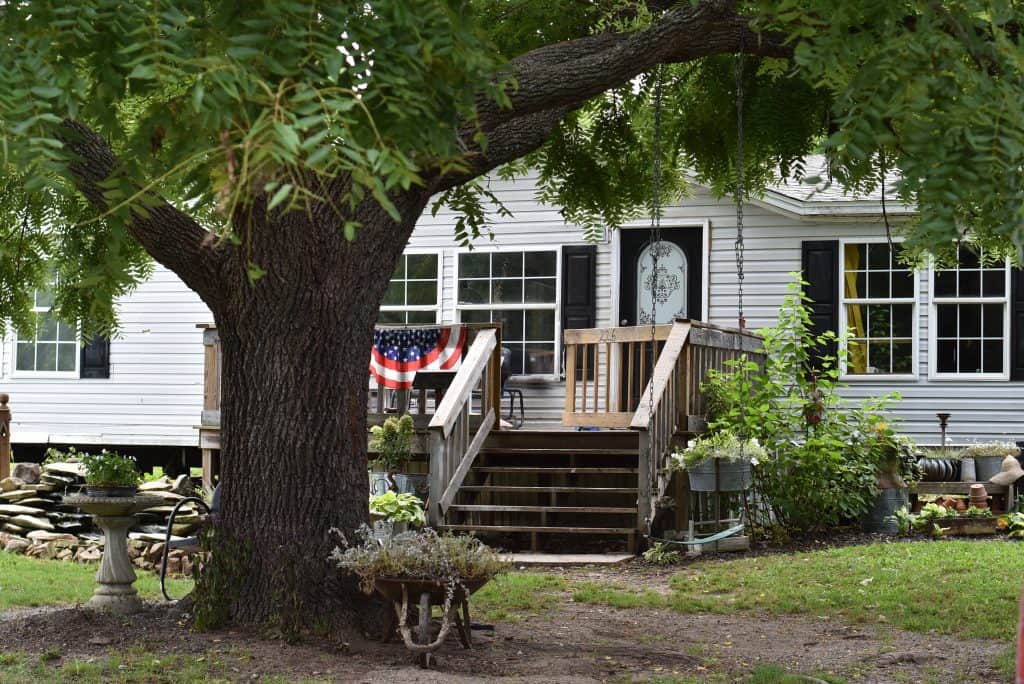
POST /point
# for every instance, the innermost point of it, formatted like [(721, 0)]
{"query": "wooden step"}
[(560, 452), (493, 508), (540, 470), (548, 490), (539, 528)]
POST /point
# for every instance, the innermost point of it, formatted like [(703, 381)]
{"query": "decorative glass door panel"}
[(661, 295)]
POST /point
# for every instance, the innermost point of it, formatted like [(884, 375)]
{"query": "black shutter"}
[(579, 293), (820, 263), (579, 286), (95, 362), (1017, 324)]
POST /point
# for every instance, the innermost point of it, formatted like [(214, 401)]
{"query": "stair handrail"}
[(452, 448), (657, 419)]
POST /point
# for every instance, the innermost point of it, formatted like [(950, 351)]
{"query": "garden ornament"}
[(1009, 473)]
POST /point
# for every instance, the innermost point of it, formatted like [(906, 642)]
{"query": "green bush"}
[(825, 452)]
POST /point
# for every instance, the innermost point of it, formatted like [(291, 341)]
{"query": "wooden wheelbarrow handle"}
[(406, 631)]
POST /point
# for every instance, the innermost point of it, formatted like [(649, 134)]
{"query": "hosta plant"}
[(398, 508)]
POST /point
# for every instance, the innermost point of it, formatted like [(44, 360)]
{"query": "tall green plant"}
[(826, 450)]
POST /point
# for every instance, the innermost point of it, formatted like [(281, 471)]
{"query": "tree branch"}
[(170, 236), (565, 75), (508, 142)]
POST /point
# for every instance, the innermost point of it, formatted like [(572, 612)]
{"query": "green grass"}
[(28, 582), (968, 589), (514, 595)]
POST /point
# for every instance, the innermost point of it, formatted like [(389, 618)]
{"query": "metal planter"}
[(733, 476)]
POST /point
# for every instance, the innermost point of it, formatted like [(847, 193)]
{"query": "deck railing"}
[(672, 404), (455, 437), (606, 370)]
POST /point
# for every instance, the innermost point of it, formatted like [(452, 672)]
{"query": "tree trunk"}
[(296, 348)]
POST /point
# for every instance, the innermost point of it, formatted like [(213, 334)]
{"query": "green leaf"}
[(280, 195)]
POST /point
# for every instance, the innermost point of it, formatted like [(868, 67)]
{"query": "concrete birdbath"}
[(114, 515)]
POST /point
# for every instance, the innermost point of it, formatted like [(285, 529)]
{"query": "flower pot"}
[(380, 482), (111, 490), (985, 467), (733, 476), (383, 530), (881, 517), (418, 484)]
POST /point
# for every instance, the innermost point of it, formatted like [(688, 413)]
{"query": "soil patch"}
[(571, 643)]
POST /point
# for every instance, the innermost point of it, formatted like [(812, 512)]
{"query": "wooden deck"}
[(632, 395)]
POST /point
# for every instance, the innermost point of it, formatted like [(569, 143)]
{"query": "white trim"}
[(843, 301), (556, 363), (933, 302), (46, 375), (436, 307)]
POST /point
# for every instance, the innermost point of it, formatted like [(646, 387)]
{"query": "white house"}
[(948, 341)]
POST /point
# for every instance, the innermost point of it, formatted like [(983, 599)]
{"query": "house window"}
[(878, 310), (518, 290), (412, 296), (54, 348), (970, 317)]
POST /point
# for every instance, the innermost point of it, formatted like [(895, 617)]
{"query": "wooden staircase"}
[(544, 489)]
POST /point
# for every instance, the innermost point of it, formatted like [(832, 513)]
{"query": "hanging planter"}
[(720, 462)]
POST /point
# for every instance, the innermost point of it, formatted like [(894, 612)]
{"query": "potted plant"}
[(110, 474), (895, 468), (427, 569), (392, 443), (723, 451), (988, 457), (393, 512)]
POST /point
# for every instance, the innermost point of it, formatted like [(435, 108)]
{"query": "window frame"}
[(933, 304), (914, 301), (556, 307), (436, 306), (44, 374)]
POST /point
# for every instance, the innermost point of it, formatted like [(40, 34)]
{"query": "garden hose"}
[(167, 539)]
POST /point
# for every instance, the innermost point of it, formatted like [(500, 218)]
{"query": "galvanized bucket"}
[(881, 518), (417, 484), (379, 483), (733, 476)]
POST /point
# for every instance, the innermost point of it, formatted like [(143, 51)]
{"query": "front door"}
[(677, 289)]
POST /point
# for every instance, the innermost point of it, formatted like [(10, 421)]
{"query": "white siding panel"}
[(155, 391)]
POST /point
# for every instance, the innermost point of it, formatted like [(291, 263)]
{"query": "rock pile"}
[(35, 521)]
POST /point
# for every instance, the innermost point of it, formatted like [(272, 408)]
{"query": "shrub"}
[(451, 559), (825, 452), (110, 469)]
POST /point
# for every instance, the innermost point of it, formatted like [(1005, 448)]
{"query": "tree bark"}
[(294, 401)]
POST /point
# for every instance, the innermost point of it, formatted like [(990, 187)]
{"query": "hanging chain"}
[(740, 187), (655, 225)]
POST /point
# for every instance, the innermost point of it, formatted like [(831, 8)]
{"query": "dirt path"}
[(571, 643)]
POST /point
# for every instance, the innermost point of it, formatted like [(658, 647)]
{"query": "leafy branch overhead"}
[(172, 129)]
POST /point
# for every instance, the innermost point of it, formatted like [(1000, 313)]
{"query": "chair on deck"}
[(511, 392)]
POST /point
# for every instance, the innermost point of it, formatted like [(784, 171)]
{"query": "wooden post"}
[(5, 437)]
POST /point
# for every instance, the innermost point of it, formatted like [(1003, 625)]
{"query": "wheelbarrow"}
[(429, 593)]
